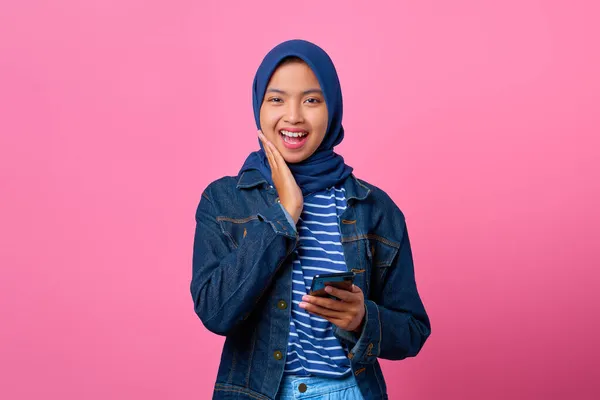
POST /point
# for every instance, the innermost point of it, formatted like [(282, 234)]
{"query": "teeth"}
[(294, 134)]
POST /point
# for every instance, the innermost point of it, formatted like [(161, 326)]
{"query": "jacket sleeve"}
[(228, 280), (397, 327)]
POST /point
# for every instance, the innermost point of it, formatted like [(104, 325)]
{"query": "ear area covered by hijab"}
[(324, 168)]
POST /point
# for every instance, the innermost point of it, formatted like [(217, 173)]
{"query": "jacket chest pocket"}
[(380, 256), (237, 229), (369, 257)]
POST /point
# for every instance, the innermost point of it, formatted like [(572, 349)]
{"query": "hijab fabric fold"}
[(324, 168)]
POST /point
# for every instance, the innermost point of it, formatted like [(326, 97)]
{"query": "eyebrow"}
[(309, 91)]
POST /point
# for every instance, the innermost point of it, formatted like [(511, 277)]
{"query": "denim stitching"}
[(251, 357), (224, 232), (371, 236), (358, 245), (368, 190), (233, 364), (237, 389), (377, 377), (237, 220), (378, 320)]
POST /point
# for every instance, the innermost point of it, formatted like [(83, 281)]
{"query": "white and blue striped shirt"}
[(312, 347)]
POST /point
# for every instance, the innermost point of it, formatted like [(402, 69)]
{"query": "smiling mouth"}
[(293, 139)]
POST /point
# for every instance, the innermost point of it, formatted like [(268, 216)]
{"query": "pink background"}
[(479, 118)]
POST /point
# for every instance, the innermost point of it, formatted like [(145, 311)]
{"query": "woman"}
[(296, 210)]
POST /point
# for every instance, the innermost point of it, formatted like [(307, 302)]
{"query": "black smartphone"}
[(340, 280)]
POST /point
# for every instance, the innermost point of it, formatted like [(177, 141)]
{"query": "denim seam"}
[(377, 377), (277, 231), (358, 245), (372, 236), (228, 235), (237, 220), (233, 364), (250, 185), (384, 264), (253, 340), (368, 190), (380, 337), (237, 389)]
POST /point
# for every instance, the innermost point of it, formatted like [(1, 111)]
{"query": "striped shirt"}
[(312, 347)]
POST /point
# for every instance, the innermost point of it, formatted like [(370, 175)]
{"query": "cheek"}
[(319, 125), (267, 114), (268, 119)]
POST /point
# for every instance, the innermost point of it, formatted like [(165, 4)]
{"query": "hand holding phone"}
[(340, 280), (344, 307)]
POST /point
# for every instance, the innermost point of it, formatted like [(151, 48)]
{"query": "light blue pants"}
[(317, 388)]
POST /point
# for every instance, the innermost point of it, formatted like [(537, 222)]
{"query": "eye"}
[(274, 100), (312, 100)]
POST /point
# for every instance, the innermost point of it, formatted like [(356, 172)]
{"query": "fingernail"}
[(302, 304), (328, 289), (304, 298)]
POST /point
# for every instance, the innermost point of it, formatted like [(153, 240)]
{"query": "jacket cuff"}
[(276, 217), (364, 348), (289, 217)]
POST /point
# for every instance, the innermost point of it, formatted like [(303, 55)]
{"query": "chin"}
[(294, 158)]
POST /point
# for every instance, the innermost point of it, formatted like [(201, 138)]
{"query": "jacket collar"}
[(249, 179), (355, 189)]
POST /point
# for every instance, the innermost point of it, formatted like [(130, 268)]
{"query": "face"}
[(293, 115)]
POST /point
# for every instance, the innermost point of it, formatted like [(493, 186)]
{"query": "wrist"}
[(293, 210), (359, 328)]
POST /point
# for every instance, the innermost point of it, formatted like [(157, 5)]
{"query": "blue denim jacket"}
[(242, 283)]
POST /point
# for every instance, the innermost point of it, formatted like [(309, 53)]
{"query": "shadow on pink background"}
[(480, 119)]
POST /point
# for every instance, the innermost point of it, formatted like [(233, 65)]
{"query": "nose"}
[(294, 113)]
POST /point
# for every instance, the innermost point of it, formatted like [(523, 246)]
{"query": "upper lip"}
[(293, 130)]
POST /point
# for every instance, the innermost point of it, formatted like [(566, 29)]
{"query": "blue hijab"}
[(324, 168)]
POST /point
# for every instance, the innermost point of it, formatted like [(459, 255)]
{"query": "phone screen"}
[(342, 281)]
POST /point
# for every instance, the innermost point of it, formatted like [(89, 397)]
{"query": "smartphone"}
[(340, 280)]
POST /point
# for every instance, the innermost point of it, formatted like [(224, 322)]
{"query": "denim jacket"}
[(242, 279)]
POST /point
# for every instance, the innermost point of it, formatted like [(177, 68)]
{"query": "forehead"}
[(294, 73)]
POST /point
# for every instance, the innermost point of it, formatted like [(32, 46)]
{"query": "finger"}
[(267, 149), (324, 302), (356, 289), (270, 158), (342, 294), (275, 155), (278, 157), (262, 138), (333, 320), (321, 311)]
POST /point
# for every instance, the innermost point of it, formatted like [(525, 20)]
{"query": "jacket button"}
[(278, 356), (282, 305), (302, 387)]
